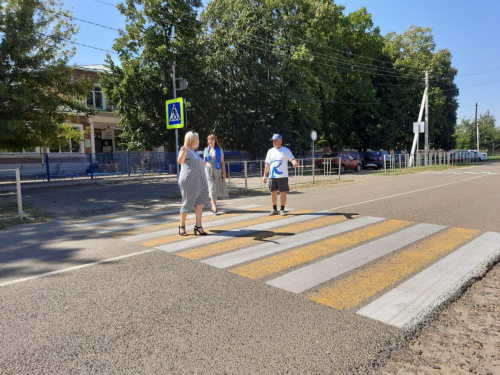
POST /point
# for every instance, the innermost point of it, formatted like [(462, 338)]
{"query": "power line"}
[(366, 70), (475, 74), (104, 2), (361, 67)]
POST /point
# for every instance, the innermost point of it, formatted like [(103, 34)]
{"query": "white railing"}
[(18, 190)]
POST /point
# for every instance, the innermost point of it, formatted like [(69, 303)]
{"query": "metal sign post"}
[(314, 136)]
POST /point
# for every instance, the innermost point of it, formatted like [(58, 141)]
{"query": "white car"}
[(480, 155)]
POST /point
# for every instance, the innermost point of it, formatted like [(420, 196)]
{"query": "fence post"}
[(91, 169), (128, 163), (19, 196), (229, 174), (47, 166), (245, 165)]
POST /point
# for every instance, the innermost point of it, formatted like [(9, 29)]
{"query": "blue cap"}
[(276, 136)]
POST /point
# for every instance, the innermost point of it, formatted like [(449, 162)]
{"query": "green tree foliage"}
[(36, 90), (266, 66), (157, 35), (411, 52), (466, 133)]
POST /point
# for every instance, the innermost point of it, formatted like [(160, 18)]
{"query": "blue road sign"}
[(175, 113)]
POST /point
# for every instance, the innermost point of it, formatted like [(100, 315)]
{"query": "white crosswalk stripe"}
[(207, 240), (403, 304), (259, 251), (307, 277)]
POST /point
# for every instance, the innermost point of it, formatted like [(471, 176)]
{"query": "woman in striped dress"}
[(216, 171), (192, 182)]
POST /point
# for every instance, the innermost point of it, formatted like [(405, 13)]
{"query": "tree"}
[(36, 90), (413, 52), (466, 133), (240, 66), (157, 35)]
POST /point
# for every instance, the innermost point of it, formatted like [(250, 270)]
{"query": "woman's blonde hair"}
[(216, 140), (190, 139)]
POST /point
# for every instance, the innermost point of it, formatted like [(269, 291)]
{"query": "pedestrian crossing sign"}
[(175, 113)]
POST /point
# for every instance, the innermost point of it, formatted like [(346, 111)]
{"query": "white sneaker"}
[(273, 212), (282, 213)]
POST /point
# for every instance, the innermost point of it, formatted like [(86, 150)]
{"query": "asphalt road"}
[(123, 307)]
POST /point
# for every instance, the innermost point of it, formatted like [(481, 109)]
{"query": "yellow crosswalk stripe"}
[(242, 242), (175, 224), (366, 283), (277, 263), (175, 238)]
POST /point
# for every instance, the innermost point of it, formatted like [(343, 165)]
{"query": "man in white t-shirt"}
[(277, 167)]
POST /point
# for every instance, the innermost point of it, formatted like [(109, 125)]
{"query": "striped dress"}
[(193, 182)]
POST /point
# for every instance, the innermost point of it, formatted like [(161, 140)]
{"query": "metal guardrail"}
[(128, 164)]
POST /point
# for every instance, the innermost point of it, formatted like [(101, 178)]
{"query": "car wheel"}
[(358, 168), (342, 169)]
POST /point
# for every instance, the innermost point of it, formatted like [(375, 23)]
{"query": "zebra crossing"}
[(390, 270)]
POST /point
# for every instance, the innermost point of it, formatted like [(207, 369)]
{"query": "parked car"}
[(479, 156), (375, 159), (348, 162), (358, 155), (461, 156), (475, 157)]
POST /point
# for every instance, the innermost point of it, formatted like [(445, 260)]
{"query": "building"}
[(102, 134)]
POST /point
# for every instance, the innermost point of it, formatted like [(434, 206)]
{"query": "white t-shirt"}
[(278, 158)]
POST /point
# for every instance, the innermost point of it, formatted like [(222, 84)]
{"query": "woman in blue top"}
[(216, 170)]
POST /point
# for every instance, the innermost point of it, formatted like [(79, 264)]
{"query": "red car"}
[(348, 161)]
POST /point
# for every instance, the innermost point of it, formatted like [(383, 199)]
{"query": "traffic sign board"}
[(419, 127), (314, 135), (175, 113)]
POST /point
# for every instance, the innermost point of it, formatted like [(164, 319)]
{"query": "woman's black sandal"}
[(197, 229), (182, 233)]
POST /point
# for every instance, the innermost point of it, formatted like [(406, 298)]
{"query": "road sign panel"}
[(175, 113), (419, 127)]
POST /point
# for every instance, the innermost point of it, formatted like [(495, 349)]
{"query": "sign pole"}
[(314, 136), (176, 131)]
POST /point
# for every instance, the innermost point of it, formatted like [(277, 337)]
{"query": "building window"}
[(73, 144), (119, 145), (95, 99)]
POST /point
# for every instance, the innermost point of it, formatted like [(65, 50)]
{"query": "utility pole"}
[(477, 131), (416, 130), (427, 118)]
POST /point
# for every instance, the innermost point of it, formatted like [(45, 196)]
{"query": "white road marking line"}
[(92, 223), (208, 224), (161, 221), (136, 225), (268, 248), (74, 268), (123, 218), (317, 273), (408, 192), (227, 235), (409, 303)]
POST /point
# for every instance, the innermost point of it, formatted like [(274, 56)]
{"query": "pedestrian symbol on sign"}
[(175, 113)]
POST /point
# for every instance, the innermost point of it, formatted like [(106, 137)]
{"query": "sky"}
[(469, 30)]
